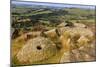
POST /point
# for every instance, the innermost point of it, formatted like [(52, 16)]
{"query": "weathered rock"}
[(79, 25), (75, 43), (76, 31), (37, 49), (79, 37), (89, 50), (65, 57), (78, 55)]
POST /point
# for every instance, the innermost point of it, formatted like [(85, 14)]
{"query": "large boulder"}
[(37, 49)]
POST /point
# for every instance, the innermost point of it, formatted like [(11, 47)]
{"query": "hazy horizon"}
[(53, 4)]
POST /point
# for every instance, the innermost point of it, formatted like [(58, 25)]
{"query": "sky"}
[(54, 4)]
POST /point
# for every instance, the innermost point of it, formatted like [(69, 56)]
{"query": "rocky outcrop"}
[(75, 43)]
